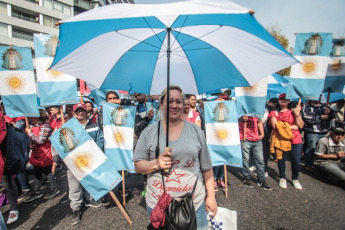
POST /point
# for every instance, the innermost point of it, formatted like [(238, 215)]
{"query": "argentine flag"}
[(17, 82), (85, 159), (335, 76), (55, 88), (307, 78), (118, 129), (222, 133), (251, 100)]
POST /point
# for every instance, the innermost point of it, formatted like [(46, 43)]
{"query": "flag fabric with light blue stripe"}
[(118, 129), (85, 159), (157, 112), (307, 78), (222, 133), (251, 100), (55, 88), (335, 77), (17, 82)]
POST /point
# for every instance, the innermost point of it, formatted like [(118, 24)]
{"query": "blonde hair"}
[(172, 87)]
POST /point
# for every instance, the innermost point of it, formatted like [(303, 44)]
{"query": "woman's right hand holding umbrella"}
[(164, 160)]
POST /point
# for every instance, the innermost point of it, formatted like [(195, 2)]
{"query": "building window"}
[(3, 29), (22, 35), (3, 8), (58, 6), (50, 22), (24, 16)]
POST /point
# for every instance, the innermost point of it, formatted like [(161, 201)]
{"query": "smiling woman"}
[(187, 159)]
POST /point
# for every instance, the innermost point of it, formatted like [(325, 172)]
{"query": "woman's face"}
[(186, 106), (89, 107), (284, 102), (175, 105), (111, 98)]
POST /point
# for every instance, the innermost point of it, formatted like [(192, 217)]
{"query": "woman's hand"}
[(294, 127), (164, 160), (211, 205), (28, 130), (297, 111)]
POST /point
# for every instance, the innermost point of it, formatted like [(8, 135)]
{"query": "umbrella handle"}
[(167, 149)]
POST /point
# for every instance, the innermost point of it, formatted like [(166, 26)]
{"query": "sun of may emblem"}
[(119, 137), (222, 134), (52, 73), (249, 90), (15, 82), (309, 67), (83, 161)]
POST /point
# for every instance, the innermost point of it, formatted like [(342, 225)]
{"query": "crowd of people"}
[(312, 132)]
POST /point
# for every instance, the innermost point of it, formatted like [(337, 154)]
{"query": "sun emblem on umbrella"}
[(119, 137), (15, 82), (309, 67), (222, 134), (249, 90), (83, 161), (52, 73)]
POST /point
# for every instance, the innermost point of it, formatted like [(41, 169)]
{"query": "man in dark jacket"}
[(317, 123), (142, 117)]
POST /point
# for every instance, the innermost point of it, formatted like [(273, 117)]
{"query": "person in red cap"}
[(293, 117), (74, 186)]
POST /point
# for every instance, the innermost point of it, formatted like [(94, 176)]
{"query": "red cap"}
[(79, 105), (282, 96)]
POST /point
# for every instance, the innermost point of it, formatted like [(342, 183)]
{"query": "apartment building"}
[(20, 19)]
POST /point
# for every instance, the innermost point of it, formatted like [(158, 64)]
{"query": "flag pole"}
[(62, 116), (328, 97), (123, 188), (124, 213), (226, 181)]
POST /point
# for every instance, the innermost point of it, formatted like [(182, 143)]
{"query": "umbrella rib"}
[(179, 30), (181, 46), (154, 32), (137, 40)]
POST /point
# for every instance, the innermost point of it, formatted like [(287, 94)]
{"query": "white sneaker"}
[(266, 174), (282, 183), (252, 169), (13, 216), (296, 184)]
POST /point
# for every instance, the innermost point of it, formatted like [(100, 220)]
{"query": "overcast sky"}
[(293, 16)]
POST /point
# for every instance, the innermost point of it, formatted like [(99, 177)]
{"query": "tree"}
[(275, 31)]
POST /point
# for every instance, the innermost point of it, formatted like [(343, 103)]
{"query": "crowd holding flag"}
[(251, 100), (118, 127), (335, 76), (222, 133), (307, 78), (55, 88), (85, 159), (17, 82)]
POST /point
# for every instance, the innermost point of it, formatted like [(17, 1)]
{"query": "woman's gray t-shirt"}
[(190, 157)]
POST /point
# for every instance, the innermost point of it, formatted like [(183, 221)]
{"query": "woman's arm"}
[(147, 167), (298, 118), (210, 203), (273, 122)]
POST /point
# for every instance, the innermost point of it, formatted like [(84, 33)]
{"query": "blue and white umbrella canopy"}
[(214, 45)]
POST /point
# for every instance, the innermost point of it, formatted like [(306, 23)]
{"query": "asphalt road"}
[(320, 205)]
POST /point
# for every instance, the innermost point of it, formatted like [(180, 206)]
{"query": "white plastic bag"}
[(225, 219)]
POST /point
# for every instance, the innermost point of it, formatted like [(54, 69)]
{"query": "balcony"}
[(82, 4), (33, 1), (15, 15), (22, 35)]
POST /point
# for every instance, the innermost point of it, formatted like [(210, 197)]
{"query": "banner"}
[(222, 133), (17, 82), (118, 129), (85, 159), (251, 101), (335, 79), (307, 78), (55, 88), (158, 114)]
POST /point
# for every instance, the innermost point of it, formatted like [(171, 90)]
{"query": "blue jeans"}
[(311, 142), (254, 147), (23, 179), (218, 172), (2, 223), (295, 155), (200, 213)]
